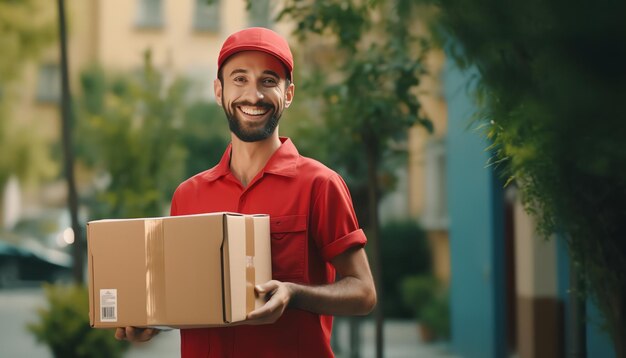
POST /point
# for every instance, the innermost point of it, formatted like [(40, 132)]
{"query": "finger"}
[(150, 332), (257, 313), (267, 310), (266, 287), (143, 334), (130, 333), (120, 334)]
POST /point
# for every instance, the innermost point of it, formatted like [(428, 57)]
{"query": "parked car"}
[(24, 258)]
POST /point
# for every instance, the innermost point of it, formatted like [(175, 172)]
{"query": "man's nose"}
[(253, 94)]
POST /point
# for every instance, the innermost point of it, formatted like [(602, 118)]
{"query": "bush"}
[(435, 315), (405, 252), (417, 292), (429, 302), (64, 326)]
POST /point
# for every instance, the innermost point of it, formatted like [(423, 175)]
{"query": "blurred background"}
[(480, 141)]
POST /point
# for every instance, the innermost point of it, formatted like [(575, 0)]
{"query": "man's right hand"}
[(134, 334)]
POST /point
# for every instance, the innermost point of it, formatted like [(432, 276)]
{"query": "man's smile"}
[(253, 110)]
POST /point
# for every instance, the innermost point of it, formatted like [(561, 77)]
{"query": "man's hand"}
[(277, 294), (134, 334)]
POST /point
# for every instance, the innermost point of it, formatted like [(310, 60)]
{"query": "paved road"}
[(18, 306)]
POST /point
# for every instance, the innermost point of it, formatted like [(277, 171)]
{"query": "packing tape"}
[(155, 271), (250, 272)]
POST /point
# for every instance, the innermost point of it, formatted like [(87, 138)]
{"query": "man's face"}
[(254, 94)]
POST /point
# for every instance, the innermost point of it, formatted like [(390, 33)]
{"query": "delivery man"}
[(314, 231)]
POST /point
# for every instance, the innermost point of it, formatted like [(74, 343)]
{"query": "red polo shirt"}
[(311, 222)]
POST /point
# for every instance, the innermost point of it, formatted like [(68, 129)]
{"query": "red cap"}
[(257, 39)]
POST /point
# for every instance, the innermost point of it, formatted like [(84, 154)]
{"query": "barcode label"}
[(108, 305), (108, 313)]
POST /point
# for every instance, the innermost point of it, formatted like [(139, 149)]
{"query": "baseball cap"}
[(257, 39)]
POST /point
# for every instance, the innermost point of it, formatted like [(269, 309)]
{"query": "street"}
[(18, 307)]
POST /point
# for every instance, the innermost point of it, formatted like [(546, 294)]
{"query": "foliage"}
[(142, 137), (417, 291), (405, 252), (429, 301), (436, 315), (64, 326), (367, 74), (25, 29), (25, 153), (204, 135), (551, 80), (130, 133)]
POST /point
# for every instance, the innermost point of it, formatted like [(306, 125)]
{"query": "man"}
[(314, 230)]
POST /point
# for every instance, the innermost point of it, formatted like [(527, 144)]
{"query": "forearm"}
[(354, 294), (346, 297)]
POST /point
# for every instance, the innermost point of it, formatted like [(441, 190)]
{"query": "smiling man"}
[(314, 231)]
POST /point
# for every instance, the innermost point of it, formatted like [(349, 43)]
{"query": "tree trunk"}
[(68, 151), (619, 338), (577, 312), (372, 154)]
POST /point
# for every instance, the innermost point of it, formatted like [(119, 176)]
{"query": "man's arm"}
[(353, 294)]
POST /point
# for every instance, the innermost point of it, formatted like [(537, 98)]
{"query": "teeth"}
[(253, 111)]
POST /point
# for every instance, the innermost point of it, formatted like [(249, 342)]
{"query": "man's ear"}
[(289, 93), (217, 88)]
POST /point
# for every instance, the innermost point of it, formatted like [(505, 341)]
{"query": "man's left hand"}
[(278, 295)]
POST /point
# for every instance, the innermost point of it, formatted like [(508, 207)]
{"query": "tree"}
[(141, 137), (551, 83), (130, 135), (25, 29), (369, 94), (205, 134)]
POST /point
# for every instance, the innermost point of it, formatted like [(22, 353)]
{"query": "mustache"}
[(260, 103)]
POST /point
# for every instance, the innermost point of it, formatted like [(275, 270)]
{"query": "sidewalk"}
[(401, 341), (18, 306)]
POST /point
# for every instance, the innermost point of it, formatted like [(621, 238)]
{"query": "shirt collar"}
[(283, 162)]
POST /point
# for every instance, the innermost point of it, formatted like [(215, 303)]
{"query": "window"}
[(150, 14), (259, 13), (436, 208), (49, 83), (206, 17)]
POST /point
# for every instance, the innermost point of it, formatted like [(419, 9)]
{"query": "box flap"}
[(123, 241), (236, 229), (262, 254), (193, 269)]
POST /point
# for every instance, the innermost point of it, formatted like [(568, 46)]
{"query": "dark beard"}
[(254, 134)]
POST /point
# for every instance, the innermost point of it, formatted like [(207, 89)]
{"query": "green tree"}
[(141, 137), (552, 78), (26, 27), (205, 135), (369, 85), (130, 134)]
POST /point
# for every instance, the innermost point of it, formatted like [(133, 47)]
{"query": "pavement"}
[(18, 306)]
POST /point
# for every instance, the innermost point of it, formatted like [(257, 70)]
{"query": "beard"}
[(257, 131)]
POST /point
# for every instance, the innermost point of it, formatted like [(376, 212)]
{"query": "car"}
[(23, 259)]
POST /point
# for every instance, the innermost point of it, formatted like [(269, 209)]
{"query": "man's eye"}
[(269, 81), (239, 79)]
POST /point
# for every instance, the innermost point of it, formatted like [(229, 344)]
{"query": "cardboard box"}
[(181, 272)]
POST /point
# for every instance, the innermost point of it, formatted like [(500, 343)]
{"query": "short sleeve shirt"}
[(311, 222)]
